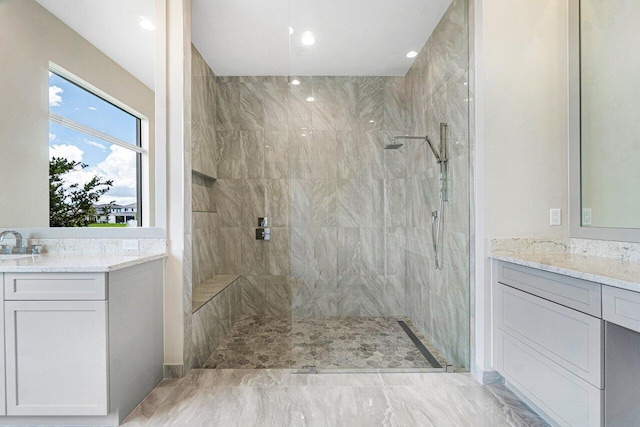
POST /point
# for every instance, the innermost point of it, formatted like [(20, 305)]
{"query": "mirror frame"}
[(576, 230)]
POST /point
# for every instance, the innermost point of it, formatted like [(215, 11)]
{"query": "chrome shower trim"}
[(437, 217), (437, 154)]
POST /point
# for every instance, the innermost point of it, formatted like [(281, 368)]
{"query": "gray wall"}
[(438, 300), (203, 140), (317, 170)]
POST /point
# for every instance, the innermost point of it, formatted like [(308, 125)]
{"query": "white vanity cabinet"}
[(56, 343), (3, 400), (56, 357), (547, 340), (81, 344)]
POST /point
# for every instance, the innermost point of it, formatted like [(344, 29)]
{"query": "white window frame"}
[(143, 176)]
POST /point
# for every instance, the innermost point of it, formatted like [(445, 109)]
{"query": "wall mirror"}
[(77, 113), (605, 130)]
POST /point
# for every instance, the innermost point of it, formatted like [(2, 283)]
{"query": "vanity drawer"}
[(578, 294), (567, 337), (621, 307), (55, 286), (567, 399)]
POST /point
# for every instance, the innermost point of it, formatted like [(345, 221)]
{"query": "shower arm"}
[(424, 138)]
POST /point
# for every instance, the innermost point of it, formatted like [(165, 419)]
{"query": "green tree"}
[(72, 205)]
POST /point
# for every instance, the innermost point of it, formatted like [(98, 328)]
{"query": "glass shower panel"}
[(364, 289)]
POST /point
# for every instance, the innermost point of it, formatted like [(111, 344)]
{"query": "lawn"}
[(107, 225)]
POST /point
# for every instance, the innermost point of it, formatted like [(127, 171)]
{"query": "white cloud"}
[(119, 166), (52, 137), (79, 176), (54, 96), (69, 152), (95, 144), (92, 108)]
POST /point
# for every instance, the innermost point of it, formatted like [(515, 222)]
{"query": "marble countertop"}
[(75, 263), (607, 271)]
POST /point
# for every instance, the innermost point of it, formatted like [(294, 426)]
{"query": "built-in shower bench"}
[(216, 305), (205, 292)]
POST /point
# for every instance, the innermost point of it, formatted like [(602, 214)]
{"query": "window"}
[(95, 153)]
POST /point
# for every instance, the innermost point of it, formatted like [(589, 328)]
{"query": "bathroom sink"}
[(9, 257)]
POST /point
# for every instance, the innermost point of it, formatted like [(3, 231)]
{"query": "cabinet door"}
[(3, 407), (56, 357)]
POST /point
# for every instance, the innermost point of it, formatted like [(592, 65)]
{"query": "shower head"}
[(393, 145)]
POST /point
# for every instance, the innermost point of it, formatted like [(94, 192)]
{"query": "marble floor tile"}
[(211, 397), (154, 400)]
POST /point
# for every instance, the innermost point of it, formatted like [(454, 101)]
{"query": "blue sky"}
[(106, 159)]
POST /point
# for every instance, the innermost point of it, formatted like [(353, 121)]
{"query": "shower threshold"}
[(327, 345)]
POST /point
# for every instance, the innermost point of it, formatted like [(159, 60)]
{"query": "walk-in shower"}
[(437, 217), (305, 137)]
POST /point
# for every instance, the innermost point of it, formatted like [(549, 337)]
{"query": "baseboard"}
[(108, 420), (488, 376), (172, 371)]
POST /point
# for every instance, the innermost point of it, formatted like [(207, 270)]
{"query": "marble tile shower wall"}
[(437, 301), (203, 135), (200, 331), (332, 194), (187, 189)]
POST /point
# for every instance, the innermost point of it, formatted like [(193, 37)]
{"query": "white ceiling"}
[(354, 37), (113, 26)]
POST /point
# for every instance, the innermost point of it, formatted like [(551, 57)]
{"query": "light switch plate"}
[(586, 217), (555, 216)]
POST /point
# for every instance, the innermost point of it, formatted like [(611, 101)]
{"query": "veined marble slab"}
[(96, 246), (607, 271), (231, 397), (75, 263)]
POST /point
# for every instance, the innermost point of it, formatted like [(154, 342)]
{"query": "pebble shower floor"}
[(262, 342)]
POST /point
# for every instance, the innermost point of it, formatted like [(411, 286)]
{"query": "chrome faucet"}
[(18, 247)]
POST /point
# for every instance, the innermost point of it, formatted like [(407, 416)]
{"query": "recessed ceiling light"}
[(304, 134), (147, 24), (290, 30), (308, 39), (412, 54), (295, 82), (310, 99), (372, 121)]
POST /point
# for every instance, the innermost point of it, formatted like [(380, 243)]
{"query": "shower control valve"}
[(263, 234)]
